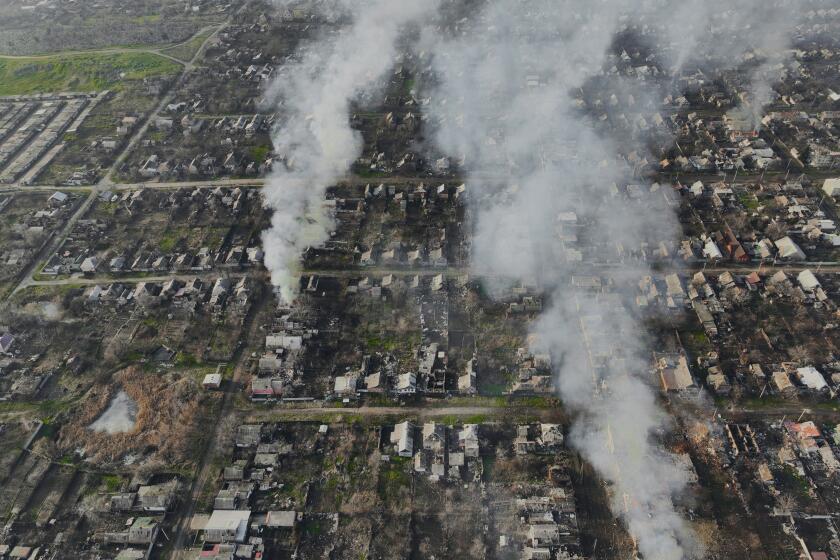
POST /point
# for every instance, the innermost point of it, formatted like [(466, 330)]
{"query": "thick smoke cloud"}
[(509, 103), (507, 107), (315, 139)]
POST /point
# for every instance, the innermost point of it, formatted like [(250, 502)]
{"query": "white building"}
[(227, 526), (89, 265), (403, 439), (711, 250), (212, 381), (808, 281), (789, 250), (831, 187), (811, 378)]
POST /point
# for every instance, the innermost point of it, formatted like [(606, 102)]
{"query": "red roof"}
[(803, 430)]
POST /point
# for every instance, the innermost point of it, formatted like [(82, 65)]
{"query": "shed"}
[(212, 381), (227, 526)]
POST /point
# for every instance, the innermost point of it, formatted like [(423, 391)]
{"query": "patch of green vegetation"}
[(754, 402), (82, 72), (67, 459), (168, 242), (259, 153), (112, 483), (454, 419), (700, 338), (397, 476), (45, 410), (332, 483), (186, 51), (151, 18), (488, 462), (748, 201), (379, 399), (185, 359), (312, 527), (494, 389), (382, 343), (133, 356), (790, 481)]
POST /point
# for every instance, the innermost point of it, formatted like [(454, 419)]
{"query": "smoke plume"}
[(517, 88), (314, 138), (520, 91)]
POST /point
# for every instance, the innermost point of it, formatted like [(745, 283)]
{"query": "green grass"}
[(185, 359), (112, 483), (84, 72), (167, 244), (187, 50), (45, 409), (151, 18), (409, 85), (756, 403), (397, 476), (382, 343), (313, 527), (749, 201), (494, 389), (259, 153), (454, 419), (67, 459), (791, 482), (488, 462)]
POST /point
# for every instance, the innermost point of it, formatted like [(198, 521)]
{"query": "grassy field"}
[(85, 72), (186, 51)]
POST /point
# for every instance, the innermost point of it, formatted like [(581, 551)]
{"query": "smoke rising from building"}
[(314, 139), (516, 104), (513, 101)]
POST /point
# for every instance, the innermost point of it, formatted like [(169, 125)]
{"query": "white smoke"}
[(725, 35), (315, 138), (509, 88), (511, 81), (506, 105)]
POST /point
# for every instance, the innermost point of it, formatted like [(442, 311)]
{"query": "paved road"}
[(141, 132), (85, 281), (206, 468), (502, 411), (776, 412), (450, 272), (160, 51), (280, 412), (356, 180), (53, 245), (584, 269), (349, 179)]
